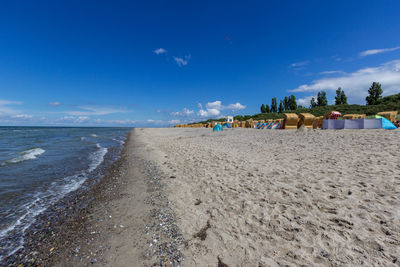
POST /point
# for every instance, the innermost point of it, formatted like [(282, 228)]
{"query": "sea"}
[(41, 165)]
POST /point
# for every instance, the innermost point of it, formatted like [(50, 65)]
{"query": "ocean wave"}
[(97, 157), (94, 135), (29, 154), (121, 141), (40, 202)]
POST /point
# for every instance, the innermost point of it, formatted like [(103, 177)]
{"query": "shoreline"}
[(122, 220), (53, 228)]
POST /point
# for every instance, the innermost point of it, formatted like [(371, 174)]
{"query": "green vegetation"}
[(262, 109), (375, 94), (388, 103), (340, 98), (375, 103), (274, 106), (321, 99)]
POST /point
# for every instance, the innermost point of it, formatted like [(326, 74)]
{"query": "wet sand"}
[(241, 197)]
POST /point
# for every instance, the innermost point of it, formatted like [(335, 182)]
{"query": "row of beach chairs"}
[(292, 121)]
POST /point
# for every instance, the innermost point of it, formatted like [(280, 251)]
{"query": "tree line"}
[(289, 103)]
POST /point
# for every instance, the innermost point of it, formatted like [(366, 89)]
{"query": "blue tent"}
[(387, 124), (227, 125), (217, 128)]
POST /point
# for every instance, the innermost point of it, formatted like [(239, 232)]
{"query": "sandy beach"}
[(269, 198), (242, 197)]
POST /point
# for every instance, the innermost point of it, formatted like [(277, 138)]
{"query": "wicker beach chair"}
[(390, 115), (290, 121), (307, 120)]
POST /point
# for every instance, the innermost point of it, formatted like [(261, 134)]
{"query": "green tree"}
[(292, 102), (281, 107), (286, 103), (343, 98), (274, 107), (321, 99), (262, 108), (313, 104), (267, 109), (338, 97), (375, 94)]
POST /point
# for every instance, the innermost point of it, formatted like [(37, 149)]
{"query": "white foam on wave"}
[(97, 157), (121, 141), (41, 201), (93, 135), (29, 154)]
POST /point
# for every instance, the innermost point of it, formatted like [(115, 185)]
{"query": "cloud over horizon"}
[(356, 84), (93, 110), (213, 109), (5, 108), (184, 112)]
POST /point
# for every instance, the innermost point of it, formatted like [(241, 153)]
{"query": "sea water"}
[(40, 165)]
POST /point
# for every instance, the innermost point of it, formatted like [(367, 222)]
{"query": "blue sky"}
[(156, 63)]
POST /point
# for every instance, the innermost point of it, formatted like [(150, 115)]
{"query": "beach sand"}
[(245, 197)]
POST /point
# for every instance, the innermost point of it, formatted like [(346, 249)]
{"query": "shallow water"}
[(40, 165)]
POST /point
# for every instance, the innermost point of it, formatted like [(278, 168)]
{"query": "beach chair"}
[(354, 116), (307, 120), (290, 121), (390, 115), (317, 123)]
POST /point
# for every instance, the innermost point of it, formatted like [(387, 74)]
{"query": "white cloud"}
[(23, 116), (213, 109), (218, 105), (214, 105), (299, 64), (94, 110), (212, 112), (236, 106), (54, 104), (356, 84), (158, 122), (6, 110), (328, 72), (173, 122), (8, 102), (82, 119), (200, 105), (160, 51), (378, 51), (74, 119), (182, 62), (184, 112), (305, 101)]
